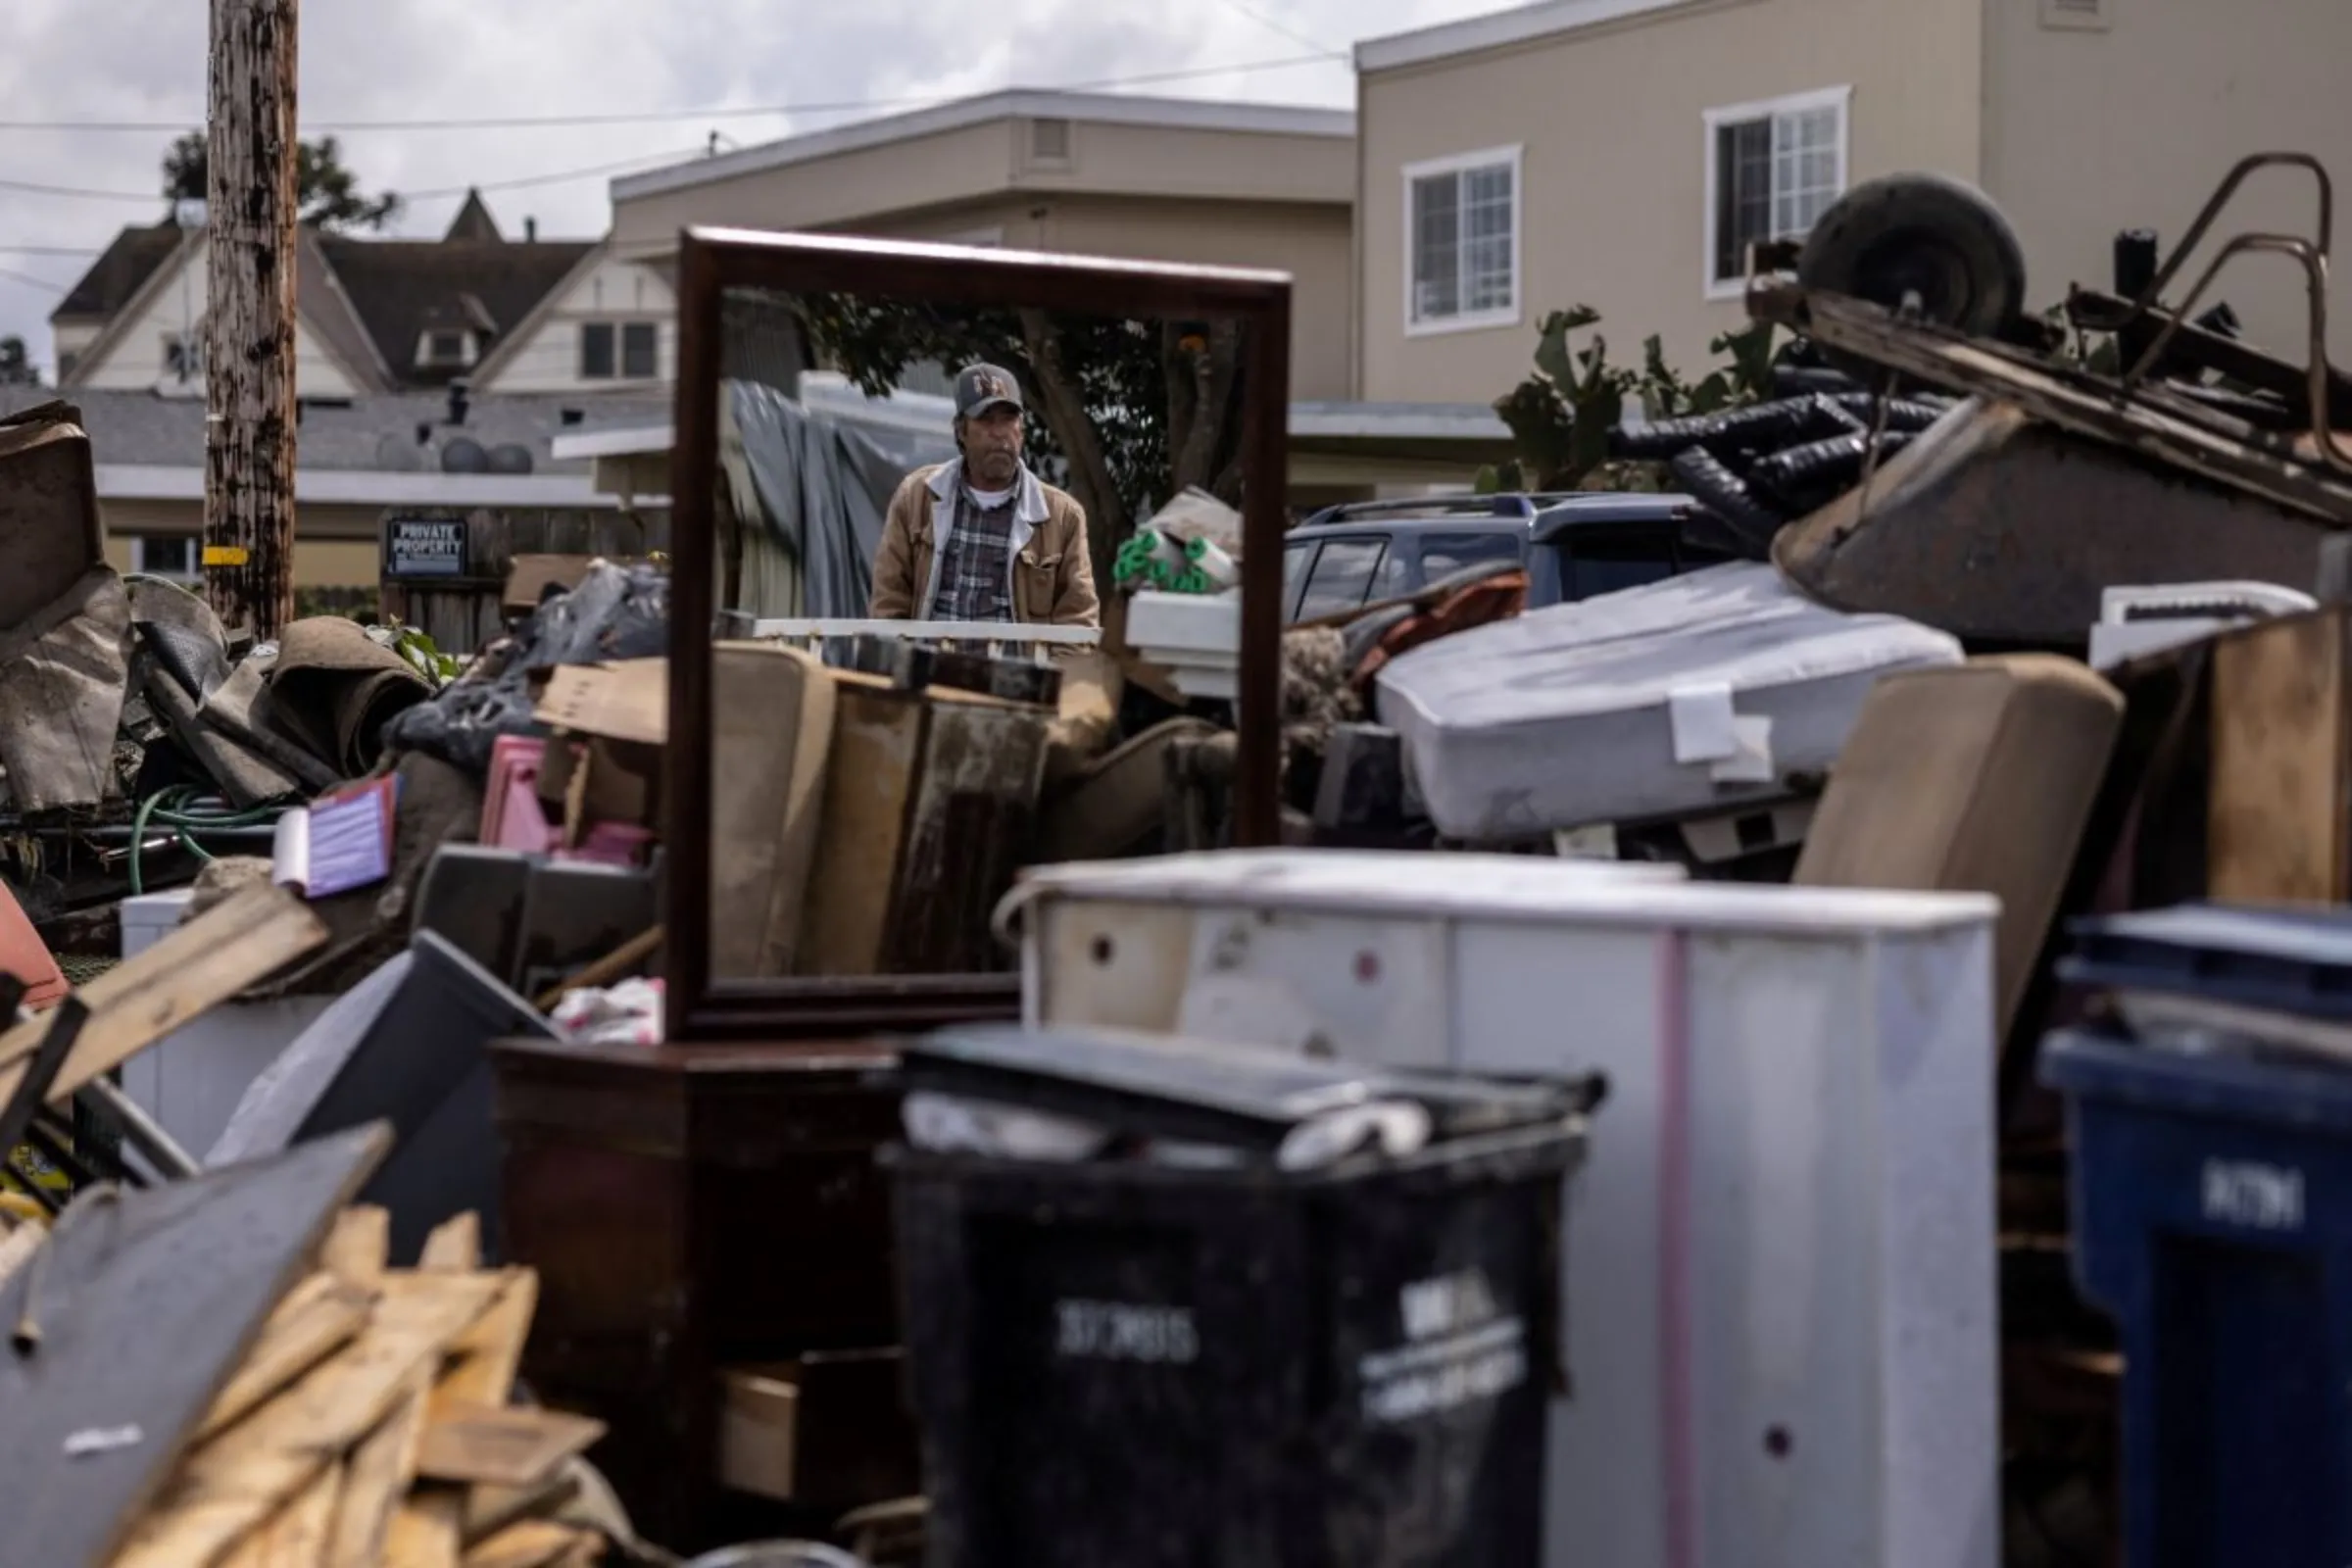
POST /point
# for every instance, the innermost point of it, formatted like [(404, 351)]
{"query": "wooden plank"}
[(296, 1536), (231, 946), (428, 1531), (2281, 776), (485, 1360), (359, 1248), (378, 1478), (491, 1509), (238, 1479), (454, 1246), (16, 1245), (485, 1446), (532, 1543), (318, 1318), (147, 1302)]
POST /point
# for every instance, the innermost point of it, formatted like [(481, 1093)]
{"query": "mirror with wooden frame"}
[(905, 484)]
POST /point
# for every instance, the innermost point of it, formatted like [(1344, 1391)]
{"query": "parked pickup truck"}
[(1573, 546)]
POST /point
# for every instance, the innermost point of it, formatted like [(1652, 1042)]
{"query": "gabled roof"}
[(186, 243), (366, 302), (514, 334), (474, 221), (121, 270), (1118, 109), (402, 289), (1499, 29), (321, 303)]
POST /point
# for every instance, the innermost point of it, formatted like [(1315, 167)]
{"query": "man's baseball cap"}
[(981, 387)]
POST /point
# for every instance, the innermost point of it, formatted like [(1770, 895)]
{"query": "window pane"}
[(1804, 169), (1607, 564), (1743, 194), (1343, 575), (1486, 239), (596, 350), (637, 351), (1437, 247), (1442, 554), (167, 554)]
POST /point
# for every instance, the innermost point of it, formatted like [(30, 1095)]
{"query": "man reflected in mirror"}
[(982, 538)]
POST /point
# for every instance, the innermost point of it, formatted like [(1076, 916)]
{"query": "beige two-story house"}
[(1090, 174), (1625, 153)]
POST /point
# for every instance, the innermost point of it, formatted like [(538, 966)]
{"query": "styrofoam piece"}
[(1168, 623), (1699, 690), (191, 1080), (1781, 1319)]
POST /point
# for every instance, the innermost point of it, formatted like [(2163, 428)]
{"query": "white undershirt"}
[(989, 500)]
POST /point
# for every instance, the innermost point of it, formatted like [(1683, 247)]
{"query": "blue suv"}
[(1573, 546)]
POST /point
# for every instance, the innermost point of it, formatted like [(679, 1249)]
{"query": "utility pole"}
[(249, 324)]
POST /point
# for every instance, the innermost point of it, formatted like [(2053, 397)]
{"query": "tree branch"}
[(1073, 426), (1215, 378)]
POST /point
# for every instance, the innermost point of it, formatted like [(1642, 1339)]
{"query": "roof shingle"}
[(119, 271)]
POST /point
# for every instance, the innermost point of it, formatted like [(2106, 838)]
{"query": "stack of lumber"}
[(370, 1425)]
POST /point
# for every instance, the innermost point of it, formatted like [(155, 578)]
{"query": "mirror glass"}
[(978, 604)]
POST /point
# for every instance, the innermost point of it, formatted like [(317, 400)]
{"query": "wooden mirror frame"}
[(715, 261)]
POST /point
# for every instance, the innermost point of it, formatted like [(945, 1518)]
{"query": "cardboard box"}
[(771, 735)]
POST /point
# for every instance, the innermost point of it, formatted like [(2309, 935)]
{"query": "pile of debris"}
[(224, 1370), (138, 737)]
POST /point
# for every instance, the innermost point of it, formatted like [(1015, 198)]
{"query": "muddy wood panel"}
[(2281, 770)]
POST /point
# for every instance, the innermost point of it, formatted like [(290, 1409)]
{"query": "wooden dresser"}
[(692, 1209)]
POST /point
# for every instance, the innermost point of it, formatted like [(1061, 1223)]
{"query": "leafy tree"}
[(325, 191), (16, 364), (1560, 418), (1123, 414)]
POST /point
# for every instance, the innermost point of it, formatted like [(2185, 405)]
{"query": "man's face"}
[(992, 446)]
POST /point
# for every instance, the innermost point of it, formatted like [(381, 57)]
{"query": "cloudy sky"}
[(87, 107)]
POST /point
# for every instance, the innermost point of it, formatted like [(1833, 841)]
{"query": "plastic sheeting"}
[(823, 485), (615, 612)]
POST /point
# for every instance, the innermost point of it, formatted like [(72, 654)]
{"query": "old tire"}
[(1926, 236)]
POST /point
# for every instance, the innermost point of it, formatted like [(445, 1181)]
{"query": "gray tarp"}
[(823, 485)]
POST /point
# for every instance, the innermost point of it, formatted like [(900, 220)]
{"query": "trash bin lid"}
[(2224, 1085), (1176, 1088), (2286, 961)]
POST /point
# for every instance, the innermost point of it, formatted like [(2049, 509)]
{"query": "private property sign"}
[(425, 547)]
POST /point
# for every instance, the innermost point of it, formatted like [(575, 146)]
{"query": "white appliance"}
[(1712, 689), (1779, 1301), (191, 1080)]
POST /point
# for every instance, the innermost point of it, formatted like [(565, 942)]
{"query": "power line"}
[(1322, 56), (30, 281), (1286, 30), (47, 249), (525, 182)]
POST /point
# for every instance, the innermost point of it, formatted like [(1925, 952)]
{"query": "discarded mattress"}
[(1709, 690)]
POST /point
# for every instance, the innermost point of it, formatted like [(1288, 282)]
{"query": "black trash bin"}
[(1192, 1355)]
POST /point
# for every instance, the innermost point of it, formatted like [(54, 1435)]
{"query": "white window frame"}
[(1841, 99), (1513, 156), (138, 559)]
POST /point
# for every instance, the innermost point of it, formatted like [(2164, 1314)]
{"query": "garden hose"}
[(187, 812)]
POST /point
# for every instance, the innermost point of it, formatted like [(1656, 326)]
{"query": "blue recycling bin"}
[(2213, 1219)]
